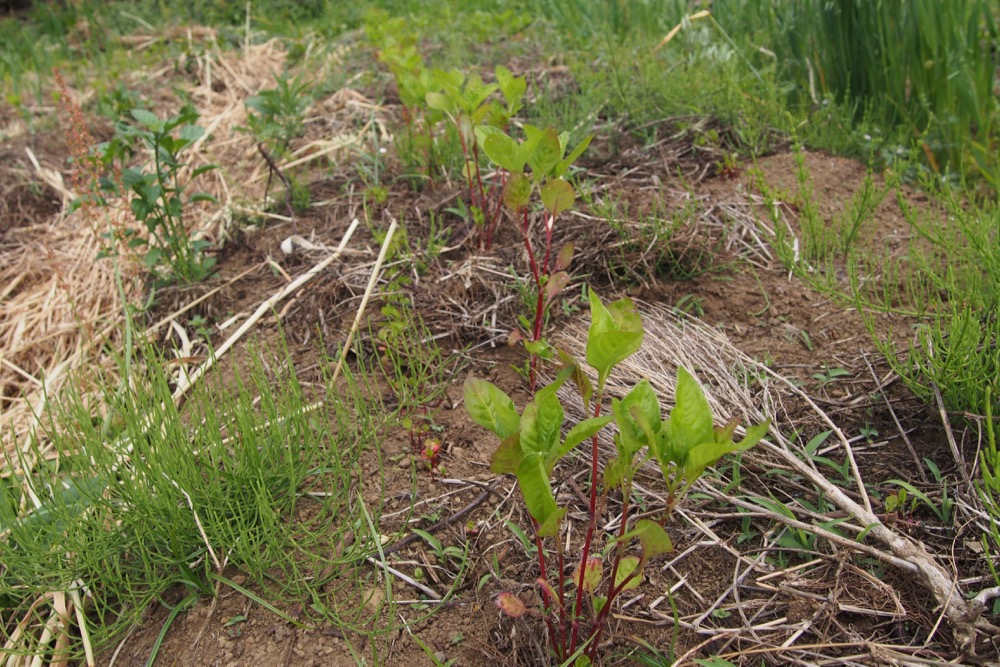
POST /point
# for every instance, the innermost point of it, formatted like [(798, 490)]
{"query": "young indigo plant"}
[(543, 152), (576, 608)]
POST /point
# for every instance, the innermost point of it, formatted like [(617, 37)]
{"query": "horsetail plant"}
[(576, 608)]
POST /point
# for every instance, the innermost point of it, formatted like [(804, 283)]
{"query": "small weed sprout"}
[(576, 608)]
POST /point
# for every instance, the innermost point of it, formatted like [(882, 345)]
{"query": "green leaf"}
[(517, 191), (557, 196), (191, 133), (701, 456), (153, 257), (500, 148), (579, 378), (653, 538), (512, 87), (590, 578), (547, 152), (626, 567), (818, 440), (533, 479), (615, 472), (432, 541), (754, 435), (201, 170), (539, 348), (690, 421), (615, 334), (582, 431), (147, 119), (541, 421), (599, 602), (490, 407), (203, 196), (638, 416), (507, 456), (565, 164), (476, 93), (440, 102), (565, 257)]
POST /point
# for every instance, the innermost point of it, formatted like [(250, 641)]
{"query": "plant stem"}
[(613, 590), (542, 574), (592, 524), (562, 597)]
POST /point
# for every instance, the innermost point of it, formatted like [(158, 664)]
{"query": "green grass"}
[(250, 476)]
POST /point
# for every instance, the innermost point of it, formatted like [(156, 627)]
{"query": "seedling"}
[(576, 608), (830, 375), (543, 152), (465, 101)]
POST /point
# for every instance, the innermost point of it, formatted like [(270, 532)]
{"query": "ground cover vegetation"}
[(252, 250)]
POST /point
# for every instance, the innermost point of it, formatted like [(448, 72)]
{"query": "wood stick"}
[(186, 383)]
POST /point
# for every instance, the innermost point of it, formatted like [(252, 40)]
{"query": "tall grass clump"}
[(144, 497), (921, 70), (951, 277)]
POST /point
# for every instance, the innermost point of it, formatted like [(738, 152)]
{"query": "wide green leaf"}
[(490, 407), (615, 472), (533, 480), (440, 102), (615, 334), (547, 151), (512, 87), (507, 457), (541, 423), (690, 421), (754, 435), (499, 147), (653, 538), (147, 119), (626, 567), (557, 196), (517, 191), (565, 164), (582, 431), (638, 415), (701, 456)]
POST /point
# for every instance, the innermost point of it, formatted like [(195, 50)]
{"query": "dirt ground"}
[(711, 268)]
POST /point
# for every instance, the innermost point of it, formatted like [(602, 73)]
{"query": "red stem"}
[(546, 603), (527, 245), (590, 526), (562, 600), (613, 591)]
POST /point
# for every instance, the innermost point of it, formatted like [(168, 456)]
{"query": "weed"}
[(684, 445), (275, 117), (829, 375), (157, 196)]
